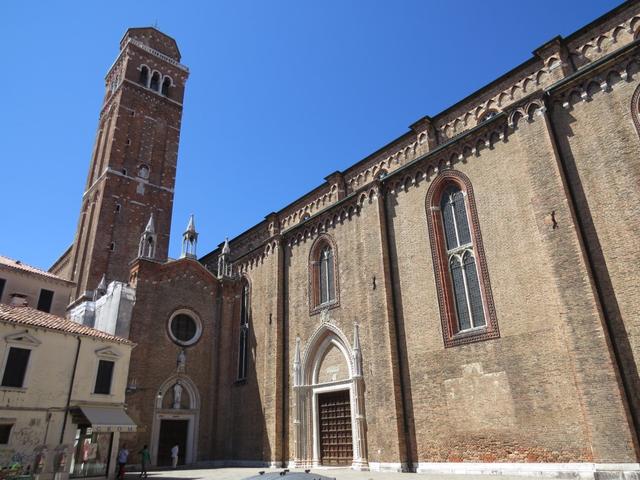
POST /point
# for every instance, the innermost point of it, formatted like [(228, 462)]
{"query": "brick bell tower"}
[(133, 165)]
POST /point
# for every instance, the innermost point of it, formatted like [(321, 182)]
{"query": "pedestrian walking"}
[(174, 455), (145, 459), (123, 456)]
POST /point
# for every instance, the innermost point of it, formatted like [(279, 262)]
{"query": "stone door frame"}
[(192, 415), (306, 391)]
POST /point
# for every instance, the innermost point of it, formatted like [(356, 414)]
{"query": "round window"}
[(184, 329)]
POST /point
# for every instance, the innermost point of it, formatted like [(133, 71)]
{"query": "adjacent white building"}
[(22, 284), (62, 387)]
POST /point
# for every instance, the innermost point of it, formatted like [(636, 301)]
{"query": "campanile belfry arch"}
[(329, 398)]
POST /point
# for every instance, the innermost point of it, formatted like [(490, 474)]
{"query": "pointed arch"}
[(309, 393), (325, 336), (187, 384), (191, 415)]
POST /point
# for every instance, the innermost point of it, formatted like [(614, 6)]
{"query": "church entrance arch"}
[(329, 420), (175, 421)]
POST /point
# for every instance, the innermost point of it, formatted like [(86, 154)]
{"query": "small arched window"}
[(243, 331), (155, 82), (462, 280), (144, 76), (323, 281), (166, 83), (488, 115)]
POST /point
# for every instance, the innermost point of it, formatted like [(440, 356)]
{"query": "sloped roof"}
[(18, 265), (30, 317)]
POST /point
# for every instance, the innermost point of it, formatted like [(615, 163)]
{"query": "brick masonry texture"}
[(555, 175)]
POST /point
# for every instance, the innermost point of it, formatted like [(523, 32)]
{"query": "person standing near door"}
[(145, 459), (174, 455), (123, 455)]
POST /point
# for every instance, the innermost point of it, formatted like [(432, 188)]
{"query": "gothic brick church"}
[(464, 299)]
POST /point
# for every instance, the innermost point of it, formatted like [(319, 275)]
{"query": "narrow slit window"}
[(144, 76), (243, 332), (155, 82)]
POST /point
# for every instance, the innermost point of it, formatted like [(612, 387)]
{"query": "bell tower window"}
[(155, 82), (166, 83), (144, 75)]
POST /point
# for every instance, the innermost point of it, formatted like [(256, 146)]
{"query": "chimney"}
[(18, 300)]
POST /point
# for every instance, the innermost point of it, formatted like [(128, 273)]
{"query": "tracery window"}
[(323, 279), (464, 292), (244, 331), (461, 260)]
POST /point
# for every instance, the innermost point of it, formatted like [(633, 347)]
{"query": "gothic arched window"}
[(323, 278), (243, 331), (464, 293), (326, 276), (462, 265)]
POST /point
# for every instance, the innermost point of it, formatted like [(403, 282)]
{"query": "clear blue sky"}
[(281, 93)]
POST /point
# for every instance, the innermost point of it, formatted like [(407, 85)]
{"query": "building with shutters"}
[(461, 300), (62, 391)]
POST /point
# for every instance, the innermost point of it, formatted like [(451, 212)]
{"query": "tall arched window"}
[(155, 82), (166, 83), (462, 280), (326, 278), (243, 331), (462, 264), (144, 76), (323, 279)]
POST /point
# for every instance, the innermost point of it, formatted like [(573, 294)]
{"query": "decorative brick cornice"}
[(157, 54)]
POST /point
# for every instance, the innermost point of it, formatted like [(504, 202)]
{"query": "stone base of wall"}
[(586, 471), (237, 463)]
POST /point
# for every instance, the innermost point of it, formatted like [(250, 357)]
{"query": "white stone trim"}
[(196, 319), (307, 390), (156, 53), (240, 463), (192, 415), (387, 466), (192, 431), (553, 470)]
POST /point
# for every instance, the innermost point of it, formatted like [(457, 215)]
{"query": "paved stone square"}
[(337, 474)]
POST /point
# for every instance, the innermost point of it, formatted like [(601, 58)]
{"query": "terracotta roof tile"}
[(30, 317), (18, 265)]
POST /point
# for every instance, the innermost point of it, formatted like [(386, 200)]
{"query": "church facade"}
[(463, 299)]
